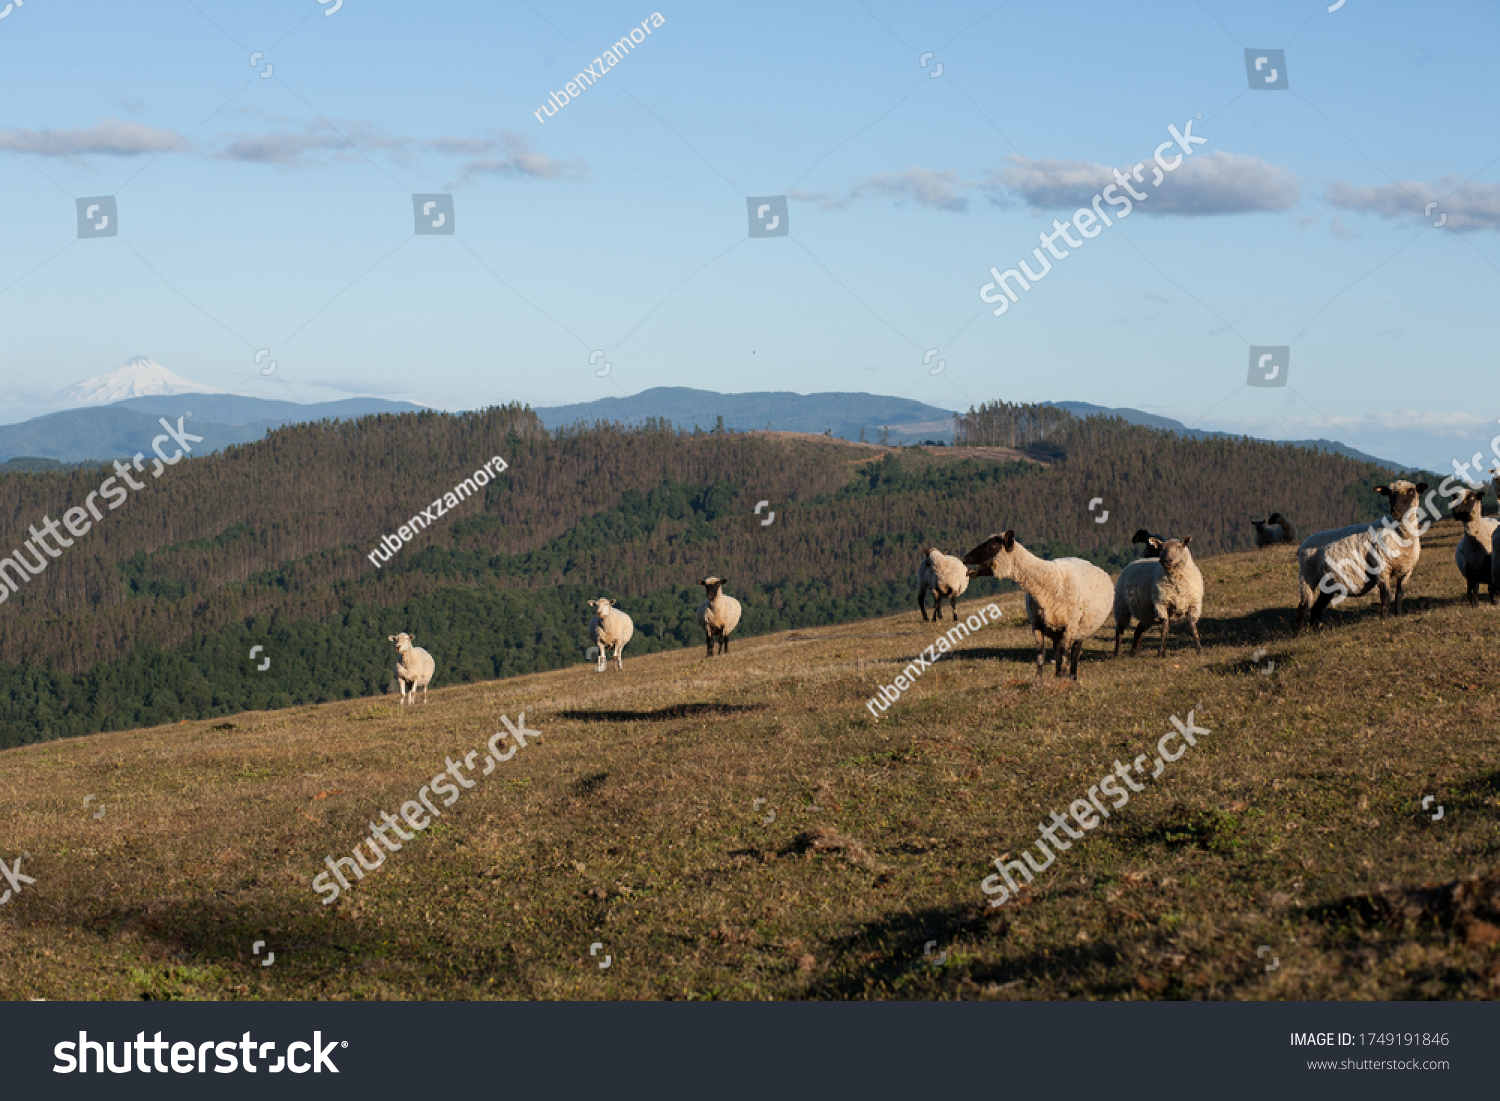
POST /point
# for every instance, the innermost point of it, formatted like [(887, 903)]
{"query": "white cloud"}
[(1468, 205), (1211, 183), (109, 136)]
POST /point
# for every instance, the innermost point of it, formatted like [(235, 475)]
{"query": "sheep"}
[(415, 667), (1275, 529), (1153, 543), (1495, 558), (1358, 558), (609, 627), (1067, 600), (946, 575), (1156, 590), (718, 615), (1473, 555)]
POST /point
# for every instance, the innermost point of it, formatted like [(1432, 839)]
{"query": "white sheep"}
[(946, 575), (415, 667), (1275, 529), (1067, 600), (1157, 590), (1353, 560), (609, 627), (718, 615), (1474, 552)]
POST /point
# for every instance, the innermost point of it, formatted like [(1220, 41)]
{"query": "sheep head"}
[(1469, 505), (1175, 555), (602, 606), (403, 642), (1153, 543), (993, 557), (1403, 496), (713, 584)]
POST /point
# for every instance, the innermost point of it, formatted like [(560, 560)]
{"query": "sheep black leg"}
[(1193, 626), (1077, 653), (1166, 625), (1135, 645), (1316, 619), (710, 643), (1119, 634), (922, 602)]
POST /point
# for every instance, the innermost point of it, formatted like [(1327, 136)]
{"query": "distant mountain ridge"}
[(844, 414), (126, 427), (849, 414), (1151, 420)]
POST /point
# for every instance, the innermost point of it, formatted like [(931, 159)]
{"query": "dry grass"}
[(635, 823)]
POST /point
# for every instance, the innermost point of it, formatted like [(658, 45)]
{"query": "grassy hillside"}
[(635, 823), (152, 615)]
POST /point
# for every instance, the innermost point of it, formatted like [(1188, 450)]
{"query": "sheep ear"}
[(1421, 487), (1157, 541), (1008, 540), (1143, 536), (1384, 491), (390, 638), (1187, 540)]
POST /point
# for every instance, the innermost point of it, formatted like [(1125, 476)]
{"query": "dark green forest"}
[(150, 616)]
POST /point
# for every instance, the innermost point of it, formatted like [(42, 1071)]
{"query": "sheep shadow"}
[(899, 946), (661, 714)]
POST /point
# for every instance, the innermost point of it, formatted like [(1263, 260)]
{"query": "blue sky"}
[(276, 212)]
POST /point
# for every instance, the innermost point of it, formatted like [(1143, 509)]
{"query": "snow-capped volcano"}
[(139, 378)]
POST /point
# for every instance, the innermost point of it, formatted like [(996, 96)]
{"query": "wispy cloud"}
[(502, 153), (110, 137), (937, 189), (1212, 183), (1469, 205), (293, 144)]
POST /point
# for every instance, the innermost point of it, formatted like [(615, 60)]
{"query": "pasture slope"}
[(634, 823)]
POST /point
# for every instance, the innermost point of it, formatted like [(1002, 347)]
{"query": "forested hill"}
[(151, 615)]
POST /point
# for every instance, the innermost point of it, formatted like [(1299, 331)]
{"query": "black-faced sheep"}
[(1351, 561), (609, 627), (415, 667), (1158, 590), (1152, 543), (1273, 530), (1474, 554), (1067, 600), (718, 615), (946, 575)]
